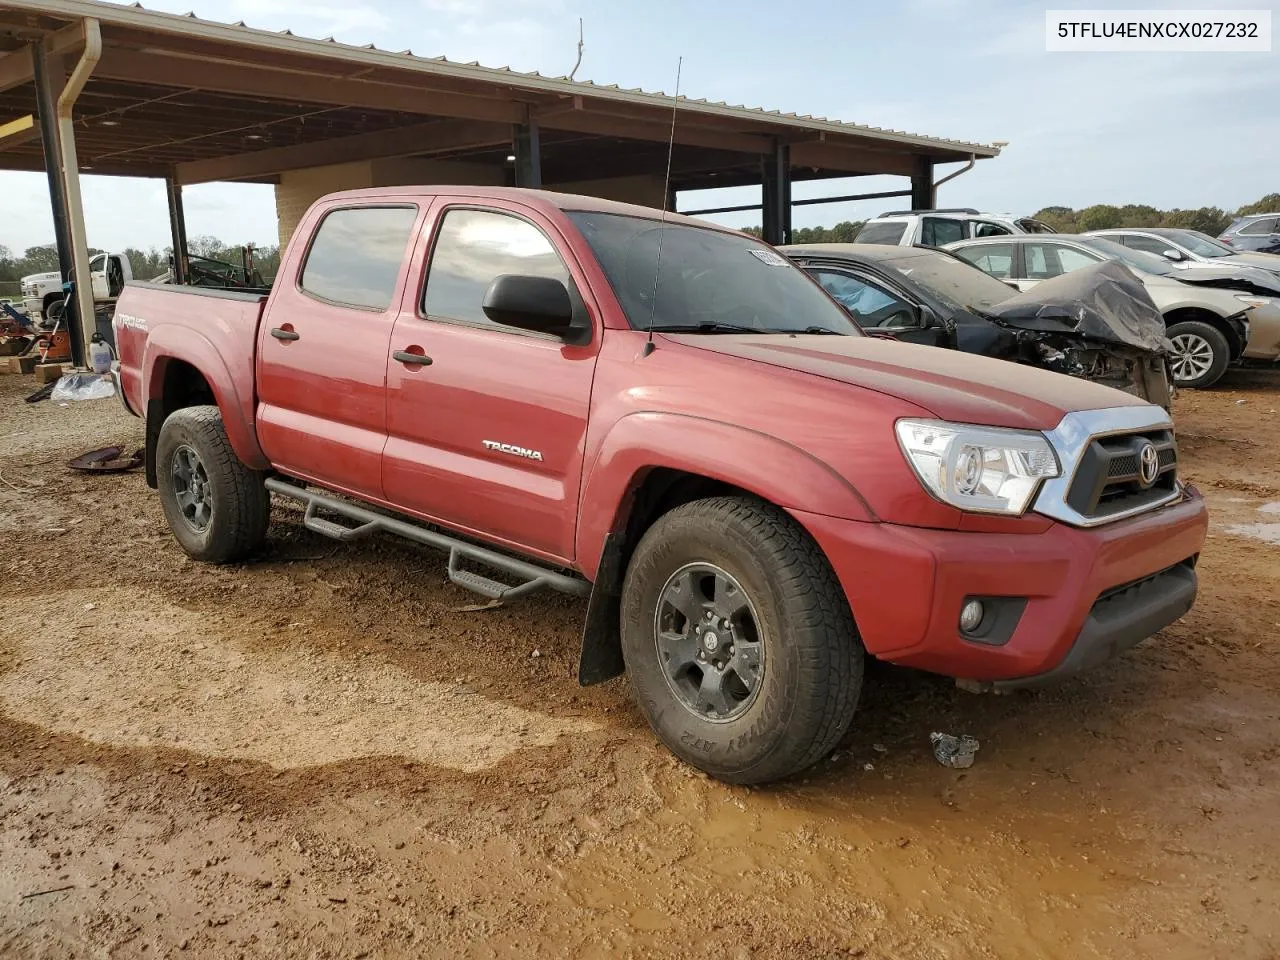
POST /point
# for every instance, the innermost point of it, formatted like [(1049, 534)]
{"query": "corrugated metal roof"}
[(138, 17)]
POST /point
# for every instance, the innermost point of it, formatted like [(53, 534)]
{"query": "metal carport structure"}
[(110, 89)]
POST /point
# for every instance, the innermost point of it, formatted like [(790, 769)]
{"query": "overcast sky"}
[(1184, 130)]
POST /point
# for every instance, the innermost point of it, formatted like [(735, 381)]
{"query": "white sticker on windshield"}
[(768, 256)]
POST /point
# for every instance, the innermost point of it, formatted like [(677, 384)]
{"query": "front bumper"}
[(1264, 334), (1090, 593)]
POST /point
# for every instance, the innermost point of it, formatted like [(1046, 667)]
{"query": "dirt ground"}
[(320, 755)]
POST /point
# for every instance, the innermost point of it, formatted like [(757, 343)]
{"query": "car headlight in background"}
[(980, 469)]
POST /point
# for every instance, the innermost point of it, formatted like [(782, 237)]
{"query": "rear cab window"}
[(889, 232), (356, 254)]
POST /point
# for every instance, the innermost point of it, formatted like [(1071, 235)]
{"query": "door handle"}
[(420, 359), (281, 334)]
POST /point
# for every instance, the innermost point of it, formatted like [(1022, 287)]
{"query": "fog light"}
[(971, 616)]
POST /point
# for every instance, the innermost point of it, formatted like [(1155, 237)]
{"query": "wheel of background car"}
[(217, 508), (1200, 353), (741, 649)]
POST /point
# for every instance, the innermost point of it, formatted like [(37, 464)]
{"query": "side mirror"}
[(541, 304), (1174, 255)]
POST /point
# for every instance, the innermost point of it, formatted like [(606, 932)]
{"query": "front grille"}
[(1108, 481)]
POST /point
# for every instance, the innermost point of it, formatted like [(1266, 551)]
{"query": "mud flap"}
[(601, 656)]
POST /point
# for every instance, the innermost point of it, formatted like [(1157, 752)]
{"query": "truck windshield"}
[(711, 282)]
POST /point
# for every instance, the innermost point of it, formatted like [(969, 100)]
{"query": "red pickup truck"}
[(673, 419)]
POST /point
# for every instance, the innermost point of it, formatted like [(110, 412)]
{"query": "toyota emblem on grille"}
[(1148, 465)]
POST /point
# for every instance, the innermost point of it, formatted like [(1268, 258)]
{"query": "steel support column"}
[(177, 228), (46, 108), (776, 195), (528, 150), (923, 194)]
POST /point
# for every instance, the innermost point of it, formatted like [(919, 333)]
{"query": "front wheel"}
[(1200, 354), (739, 642), (217, 508)]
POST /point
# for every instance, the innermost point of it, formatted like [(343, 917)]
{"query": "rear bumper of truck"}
[(1059, 602)]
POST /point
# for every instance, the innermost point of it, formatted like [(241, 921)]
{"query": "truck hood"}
[(41, 277), (949, 384)]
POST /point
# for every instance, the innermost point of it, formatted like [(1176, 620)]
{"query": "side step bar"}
[(367, 522)]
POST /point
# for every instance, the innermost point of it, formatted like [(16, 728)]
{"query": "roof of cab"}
[(546, 201)]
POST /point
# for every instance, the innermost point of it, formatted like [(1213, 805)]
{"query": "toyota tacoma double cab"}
[(674, 420)]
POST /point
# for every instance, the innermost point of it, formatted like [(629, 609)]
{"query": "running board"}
[(367, 522)]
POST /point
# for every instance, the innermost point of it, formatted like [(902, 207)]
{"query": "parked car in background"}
[(929, 296), (9, 304), (108, 274), (934, 228), (1213, 317), (1189, 248), (753, 493), (1260, 232)]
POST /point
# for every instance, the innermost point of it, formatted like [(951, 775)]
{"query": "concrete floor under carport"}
[(149, 94)]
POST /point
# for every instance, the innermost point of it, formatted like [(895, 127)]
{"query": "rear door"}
[(323, 343), (488, 436), (1044, 260), (939, 231)]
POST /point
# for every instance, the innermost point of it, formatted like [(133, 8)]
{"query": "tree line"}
[(1100, 216), (146, 264)]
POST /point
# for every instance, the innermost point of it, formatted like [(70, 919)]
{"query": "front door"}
[(323, 342), (878, 306), (488, 435)]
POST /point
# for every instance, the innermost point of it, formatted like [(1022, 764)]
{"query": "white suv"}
[(934, 228)]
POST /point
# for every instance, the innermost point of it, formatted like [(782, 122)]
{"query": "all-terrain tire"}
[(1198, 332), (237, 507), (804, 698)]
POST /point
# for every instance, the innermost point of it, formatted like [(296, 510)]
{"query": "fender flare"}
[(167, 342), (760, 463)]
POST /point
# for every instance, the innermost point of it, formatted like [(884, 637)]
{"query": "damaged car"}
[(1098, 324), (1214, 315)]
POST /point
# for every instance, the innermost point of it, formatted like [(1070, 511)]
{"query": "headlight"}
[(979, 469), (1252, 300)]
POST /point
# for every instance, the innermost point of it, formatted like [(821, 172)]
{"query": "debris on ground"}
[(108, 460), (82, 386), (954, 752)]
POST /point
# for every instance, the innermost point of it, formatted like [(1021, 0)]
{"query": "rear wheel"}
[(217, 508), (739, 641), (1200, 354)]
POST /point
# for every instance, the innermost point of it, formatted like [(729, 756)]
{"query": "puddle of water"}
[(136, 671), (1266, 532)]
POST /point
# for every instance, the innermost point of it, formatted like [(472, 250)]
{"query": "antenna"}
[(666, 200), (577, 63)]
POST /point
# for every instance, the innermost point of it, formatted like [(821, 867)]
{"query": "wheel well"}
[(662, 490), (51, 298), (181, 385), (1184, 314), (658, 491)]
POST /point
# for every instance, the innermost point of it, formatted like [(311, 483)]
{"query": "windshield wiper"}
[(707, 327), (834, 333)]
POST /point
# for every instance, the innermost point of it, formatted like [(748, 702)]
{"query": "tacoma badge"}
[(513, 450)]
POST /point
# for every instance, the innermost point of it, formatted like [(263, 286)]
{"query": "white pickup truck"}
[(107, 272)]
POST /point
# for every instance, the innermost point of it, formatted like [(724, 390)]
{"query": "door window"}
[(1260, 228), (871, 304), (356, 255), (881, 231), (1149, 244), (475, 246), (1045, 260), (982, 228), (993, 258), (937, 231)]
